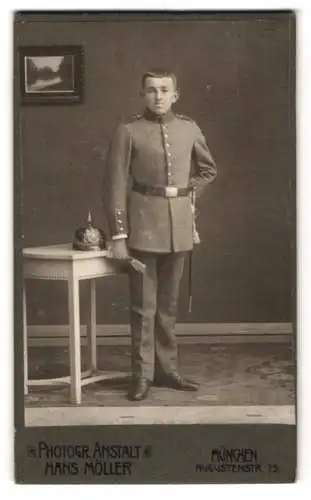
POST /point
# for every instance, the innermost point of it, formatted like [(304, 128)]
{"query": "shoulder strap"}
[(184, 117), (134, 118)]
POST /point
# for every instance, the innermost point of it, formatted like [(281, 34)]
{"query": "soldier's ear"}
[(176, 96)]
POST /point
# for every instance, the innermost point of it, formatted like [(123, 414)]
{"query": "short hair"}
[(159, 73)]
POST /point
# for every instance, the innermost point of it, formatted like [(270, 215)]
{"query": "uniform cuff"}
[(119, 236)]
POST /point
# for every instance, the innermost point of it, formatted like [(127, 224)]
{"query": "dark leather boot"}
[(175, 381), (139, 389)]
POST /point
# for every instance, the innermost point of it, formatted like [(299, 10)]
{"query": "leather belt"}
[(163, 191)]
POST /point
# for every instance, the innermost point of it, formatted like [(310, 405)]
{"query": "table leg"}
[(91, 328), (74, 339), (25, 341)]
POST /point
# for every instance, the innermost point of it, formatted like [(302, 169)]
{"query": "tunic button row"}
[(169, 154)]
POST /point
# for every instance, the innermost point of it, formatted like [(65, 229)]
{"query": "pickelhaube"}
[(89, 238)]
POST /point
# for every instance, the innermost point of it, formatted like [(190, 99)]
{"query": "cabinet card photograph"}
[(155, 247)]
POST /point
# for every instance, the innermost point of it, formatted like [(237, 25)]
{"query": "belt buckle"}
[(171, 191)]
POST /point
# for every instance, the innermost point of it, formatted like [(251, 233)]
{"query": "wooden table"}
[(60, 262)]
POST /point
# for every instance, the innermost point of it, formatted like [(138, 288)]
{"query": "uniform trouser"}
[(153, 309)]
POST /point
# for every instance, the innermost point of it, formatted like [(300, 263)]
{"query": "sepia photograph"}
[(155, 242)]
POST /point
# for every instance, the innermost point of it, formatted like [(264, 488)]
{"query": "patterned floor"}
[(229, 374)]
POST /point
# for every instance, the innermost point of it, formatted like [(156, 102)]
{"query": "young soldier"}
[(154, 162)]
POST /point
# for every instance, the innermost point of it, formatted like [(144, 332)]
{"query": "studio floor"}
[(236, 376)]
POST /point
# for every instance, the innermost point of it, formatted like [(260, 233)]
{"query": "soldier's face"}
[(159, 94)]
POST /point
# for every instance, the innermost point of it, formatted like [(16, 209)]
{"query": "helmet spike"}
[(89, 217)]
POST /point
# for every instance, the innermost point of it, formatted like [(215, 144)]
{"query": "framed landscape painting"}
[(51, 74)]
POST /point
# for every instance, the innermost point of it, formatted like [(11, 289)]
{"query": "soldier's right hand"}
[(120, 250)]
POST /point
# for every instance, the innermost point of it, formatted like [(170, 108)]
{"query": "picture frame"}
[(51, 74)]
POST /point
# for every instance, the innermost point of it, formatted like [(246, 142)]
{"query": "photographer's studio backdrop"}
[(236, 82)]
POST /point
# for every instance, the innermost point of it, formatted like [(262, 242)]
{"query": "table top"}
[(63, 252)]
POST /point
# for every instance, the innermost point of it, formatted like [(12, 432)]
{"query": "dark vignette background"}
[(236, 82)]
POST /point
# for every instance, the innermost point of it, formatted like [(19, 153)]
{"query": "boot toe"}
[(176, 381), (139, 389)]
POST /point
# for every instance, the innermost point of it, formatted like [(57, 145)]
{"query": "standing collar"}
[(167, 117)]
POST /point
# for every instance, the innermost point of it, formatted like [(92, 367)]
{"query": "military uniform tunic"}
[(171, 151), (155, 152)]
